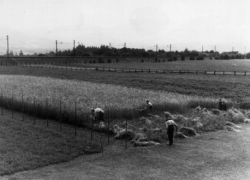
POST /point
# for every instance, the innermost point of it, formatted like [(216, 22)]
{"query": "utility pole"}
[(125, 45), (156, 48), (56, 47), (7, 53), (170, 48), (202, 48), (74, 45), (156, 53)]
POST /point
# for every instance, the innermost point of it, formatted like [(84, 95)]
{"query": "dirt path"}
[(216, 155)]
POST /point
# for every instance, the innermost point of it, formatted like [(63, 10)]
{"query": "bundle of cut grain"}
[(216, 111), (168, 115), (236, 115), (196, 123), (198, 109), (230, 128), (246, 120), (122, 133), (187, 131), (139, 137), (231, 124), (180, 135), (180, 119), (155, 116), (145, 143), (247, 114), (148, 122), (207, 121)]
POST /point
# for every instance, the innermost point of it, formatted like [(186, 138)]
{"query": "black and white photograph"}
[(124, 90)]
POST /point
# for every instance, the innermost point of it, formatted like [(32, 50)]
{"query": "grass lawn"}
[(218, 155), (28, 144)]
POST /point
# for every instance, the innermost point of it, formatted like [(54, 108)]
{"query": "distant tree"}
[(21, 53), (11, 53)]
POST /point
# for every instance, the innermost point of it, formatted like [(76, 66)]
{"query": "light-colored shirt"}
[(170, 122), (98, 110), (150, 104)]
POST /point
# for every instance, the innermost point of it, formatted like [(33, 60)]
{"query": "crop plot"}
[(120, 101)]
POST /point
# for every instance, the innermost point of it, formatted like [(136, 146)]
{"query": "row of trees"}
[(103, 50)]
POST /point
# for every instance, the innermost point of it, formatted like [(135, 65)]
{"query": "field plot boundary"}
[(138, 70)]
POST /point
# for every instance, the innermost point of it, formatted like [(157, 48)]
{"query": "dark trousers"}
[(171, 134), (99, 117)]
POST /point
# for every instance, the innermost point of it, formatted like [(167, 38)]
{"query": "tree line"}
[(107, 51)]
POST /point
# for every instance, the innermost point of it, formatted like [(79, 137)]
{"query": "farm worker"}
[(171, 128), (220, 105), (224, 106), (149, 105), (97, 114)]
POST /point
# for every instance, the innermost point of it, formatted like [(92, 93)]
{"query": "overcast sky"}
[(36, 24)]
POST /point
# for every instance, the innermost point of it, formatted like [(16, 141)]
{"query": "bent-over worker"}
[(97, 114), (171, 129), (149, 105)]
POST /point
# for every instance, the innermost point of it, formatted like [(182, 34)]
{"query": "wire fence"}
[(39, 111), (139, 70)]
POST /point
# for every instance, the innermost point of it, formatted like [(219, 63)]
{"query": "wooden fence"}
[(137, 70), (162, 71)]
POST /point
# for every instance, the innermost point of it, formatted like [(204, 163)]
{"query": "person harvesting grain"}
[(149, 105), (97, 114), (171, 128), (222, 105)]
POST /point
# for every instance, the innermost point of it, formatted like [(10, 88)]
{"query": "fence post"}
[(234, 72), (108, 125), (214, 72), (12, 112), (91, 130), (22, 107), (101, 144), (245, 73), (75, 119), (35, 108), (1, 100), (126, 141), (46, 107), (60, 113)]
